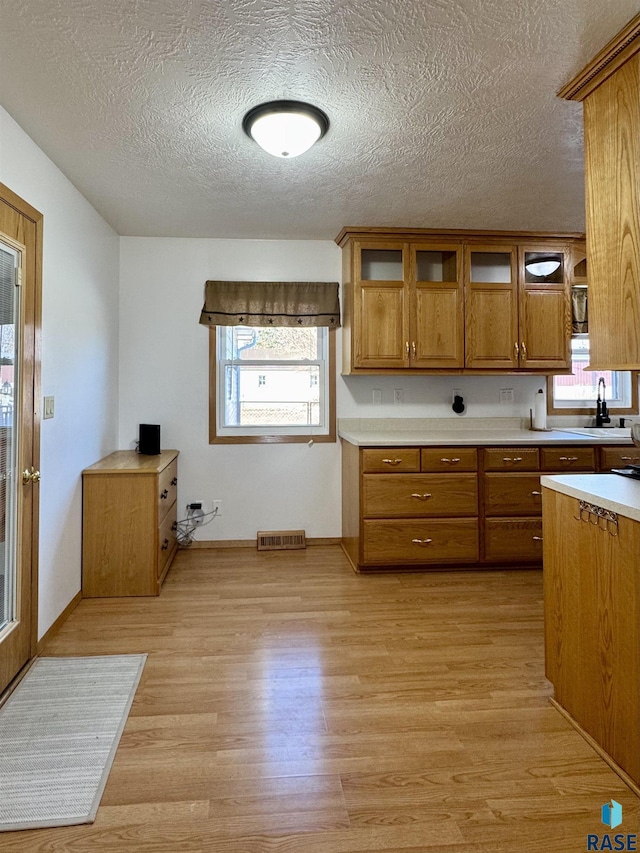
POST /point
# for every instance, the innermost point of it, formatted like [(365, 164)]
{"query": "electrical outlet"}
[(506, 395), (376, 396), (217, 508), (397, 395)]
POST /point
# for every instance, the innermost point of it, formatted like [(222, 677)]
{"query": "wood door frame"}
[(25, 209)]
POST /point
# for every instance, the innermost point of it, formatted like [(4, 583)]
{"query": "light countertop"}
[(399, 432), (611, 491)]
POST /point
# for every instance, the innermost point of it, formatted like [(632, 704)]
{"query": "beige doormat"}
[(59, 732)]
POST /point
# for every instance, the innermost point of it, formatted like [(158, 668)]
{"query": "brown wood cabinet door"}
[(437, 306), (381, 309), (491, 307), (592, 614), (544, 310)]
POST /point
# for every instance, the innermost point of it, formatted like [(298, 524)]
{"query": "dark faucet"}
[(602, 412)]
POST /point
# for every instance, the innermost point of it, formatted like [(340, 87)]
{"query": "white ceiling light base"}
[(285, 128)]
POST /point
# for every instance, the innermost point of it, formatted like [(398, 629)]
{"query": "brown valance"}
[(271, 303), (579, 310)]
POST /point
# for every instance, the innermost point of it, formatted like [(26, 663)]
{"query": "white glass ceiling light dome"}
[(285, 128), (543, 267)]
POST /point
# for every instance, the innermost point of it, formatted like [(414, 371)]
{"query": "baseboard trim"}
[(213, 544), (628, 781), (62, 618)]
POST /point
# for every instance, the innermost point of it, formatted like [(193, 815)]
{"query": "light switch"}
[(48, 407)]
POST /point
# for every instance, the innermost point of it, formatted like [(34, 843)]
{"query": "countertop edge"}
[(480, 437), (599, 489)]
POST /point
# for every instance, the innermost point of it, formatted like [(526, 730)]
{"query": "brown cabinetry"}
[(592, 618), (128, 523), (457, 301), (467, 506)]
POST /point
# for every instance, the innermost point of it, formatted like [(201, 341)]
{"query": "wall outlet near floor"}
[(398, 395), (506, 395)]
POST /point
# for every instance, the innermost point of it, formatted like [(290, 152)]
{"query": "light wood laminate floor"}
[(290, 706)]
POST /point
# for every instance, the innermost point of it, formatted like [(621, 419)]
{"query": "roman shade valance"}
[(271, 303)]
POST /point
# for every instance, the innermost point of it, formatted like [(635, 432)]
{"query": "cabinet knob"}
[(423, 497), (392, 461), (30, 476), (453, 461), (422, 541), (174, 482), (164, 495), (165, 544)]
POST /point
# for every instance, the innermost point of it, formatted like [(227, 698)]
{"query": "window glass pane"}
[(581, 388), (272, 344), (272, 396)]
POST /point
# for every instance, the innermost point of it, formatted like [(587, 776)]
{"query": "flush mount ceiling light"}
[(285, 128), (542, 267)]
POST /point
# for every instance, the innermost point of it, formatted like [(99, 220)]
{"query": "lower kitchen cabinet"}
[(592, 619), (128, 523), (471, 507)]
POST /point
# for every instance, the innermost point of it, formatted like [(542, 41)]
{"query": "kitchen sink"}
[(600, 432)]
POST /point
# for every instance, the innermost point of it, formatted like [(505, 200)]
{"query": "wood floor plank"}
[(289, 705)]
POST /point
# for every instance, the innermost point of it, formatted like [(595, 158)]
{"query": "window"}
[(577, 393), (272, 384)]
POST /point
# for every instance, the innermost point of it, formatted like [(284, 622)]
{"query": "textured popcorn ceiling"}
[(443, 112)]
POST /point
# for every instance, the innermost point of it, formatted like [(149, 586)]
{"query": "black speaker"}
[(149, 439)]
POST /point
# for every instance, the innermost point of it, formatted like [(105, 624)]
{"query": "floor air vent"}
[(281, 540)]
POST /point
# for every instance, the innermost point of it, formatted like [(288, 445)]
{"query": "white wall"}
[(164, 379), (79, 355)]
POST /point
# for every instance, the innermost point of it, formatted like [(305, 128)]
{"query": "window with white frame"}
[(273, 383), (576, 393)]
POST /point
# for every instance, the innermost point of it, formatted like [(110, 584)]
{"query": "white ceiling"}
[(443, 112)]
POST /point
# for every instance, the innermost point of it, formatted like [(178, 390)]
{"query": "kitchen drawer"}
[(514, 539), (568, 459), (618, 457), (419, 495), (407, 542), (449, 459), (391, 459), (511, 459), (167, 542), (167, 488), (512, 494)]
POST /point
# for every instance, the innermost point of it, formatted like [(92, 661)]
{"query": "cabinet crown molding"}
[(354, 232)]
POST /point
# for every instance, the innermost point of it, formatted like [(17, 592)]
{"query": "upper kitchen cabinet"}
[(609, 88), (458, 301)]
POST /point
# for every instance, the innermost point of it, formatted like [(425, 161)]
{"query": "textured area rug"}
[(59, 732)]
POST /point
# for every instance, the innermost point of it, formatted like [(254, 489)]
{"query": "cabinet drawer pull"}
[(453, 461), (392, 461), (523, 350), (517, 350), (422, 541), (424, 497), (630, 458), (537, 538), (413, 349), (536, 493), (568, 458), (165, 544), (512, 458), (164, 495), (406, 347), (174, 482)]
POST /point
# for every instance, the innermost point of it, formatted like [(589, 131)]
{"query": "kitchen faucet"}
[(602, 412)]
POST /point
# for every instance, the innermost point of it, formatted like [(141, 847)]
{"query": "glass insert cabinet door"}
[(9, 387)]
